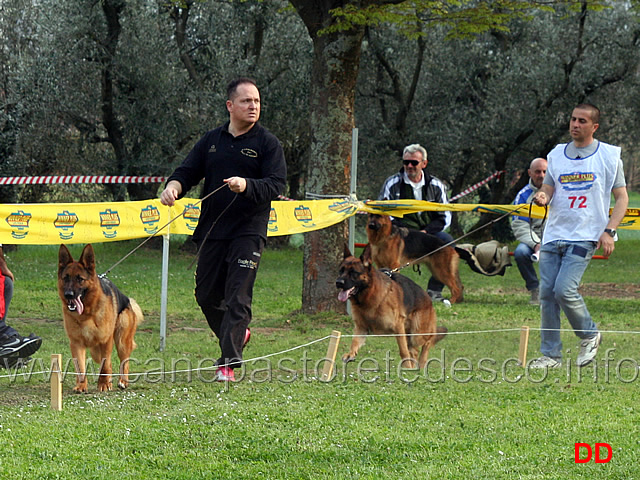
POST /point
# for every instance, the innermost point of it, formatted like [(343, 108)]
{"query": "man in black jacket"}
[(232, 229), (413, 182)]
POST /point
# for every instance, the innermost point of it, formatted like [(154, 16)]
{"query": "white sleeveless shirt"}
[(579, 208)]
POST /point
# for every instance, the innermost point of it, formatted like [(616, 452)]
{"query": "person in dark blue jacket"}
[(528, 231)]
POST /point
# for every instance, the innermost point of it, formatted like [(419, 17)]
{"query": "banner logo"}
[(150, 216), (343, 206), (272, 226), (65, 222), (19, 223), (109, 221), (191, 216), (304, 216)]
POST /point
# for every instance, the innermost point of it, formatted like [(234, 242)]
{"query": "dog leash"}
[(103, 275), (209, 231), (531, 223), (416, 260)]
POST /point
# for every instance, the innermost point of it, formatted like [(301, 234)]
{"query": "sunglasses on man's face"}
[(411, 162)]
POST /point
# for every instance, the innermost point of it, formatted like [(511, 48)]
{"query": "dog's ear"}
[(347, 252), (365, 258), (88, 259), (64, 258)]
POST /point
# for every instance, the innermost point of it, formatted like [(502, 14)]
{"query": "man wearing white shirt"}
[(581, 177)]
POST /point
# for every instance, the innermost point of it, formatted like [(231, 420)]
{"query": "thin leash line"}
[(531, 219), (209, 232), (416, 260), (162, 228)]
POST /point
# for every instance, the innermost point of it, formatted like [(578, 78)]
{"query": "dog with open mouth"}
[(97, 316), (393, 247), (387, 304)]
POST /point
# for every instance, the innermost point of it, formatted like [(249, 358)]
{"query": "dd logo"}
[(597, 448)]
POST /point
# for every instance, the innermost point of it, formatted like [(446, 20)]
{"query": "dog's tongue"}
[(343, 295), (79, 305)]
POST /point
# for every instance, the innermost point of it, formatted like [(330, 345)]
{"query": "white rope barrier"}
[(322, 339), (173, 372)]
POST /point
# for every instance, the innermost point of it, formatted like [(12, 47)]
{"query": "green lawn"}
[(473, 414)]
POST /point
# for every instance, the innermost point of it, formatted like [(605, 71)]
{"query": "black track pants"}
[(225, 277)]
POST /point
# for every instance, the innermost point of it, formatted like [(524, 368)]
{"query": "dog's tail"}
[(441, 333), (136, 310)]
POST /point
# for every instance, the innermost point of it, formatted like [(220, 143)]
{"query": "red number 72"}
[(582, 202)]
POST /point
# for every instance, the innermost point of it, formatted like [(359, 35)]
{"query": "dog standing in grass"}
[(393, 247), (384, 304), (96, 316)]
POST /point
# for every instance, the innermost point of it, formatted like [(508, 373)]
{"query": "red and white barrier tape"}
[(467, 191), (52, 179)]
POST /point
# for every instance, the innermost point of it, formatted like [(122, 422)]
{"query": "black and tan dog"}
[(96, 315), (384, 304), (393, 247)]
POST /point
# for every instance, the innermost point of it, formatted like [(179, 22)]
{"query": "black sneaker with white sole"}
[(16, 346)]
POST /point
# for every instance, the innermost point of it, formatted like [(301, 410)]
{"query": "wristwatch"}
[(610, 231)]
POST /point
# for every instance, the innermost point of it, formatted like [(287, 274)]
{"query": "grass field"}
[(473, 414)]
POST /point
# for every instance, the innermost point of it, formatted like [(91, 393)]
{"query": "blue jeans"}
[(562, 264), (522, 255)]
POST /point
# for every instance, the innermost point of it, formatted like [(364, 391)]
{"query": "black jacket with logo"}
[(256, 156)]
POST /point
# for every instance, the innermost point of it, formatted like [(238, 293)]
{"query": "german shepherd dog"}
[(393, 246), (96, 315), (383, 304)]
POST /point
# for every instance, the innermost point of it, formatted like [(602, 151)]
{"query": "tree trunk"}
[(336, 58), (112, 10)]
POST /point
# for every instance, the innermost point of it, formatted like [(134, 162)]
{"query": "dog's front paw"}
[(122, 384), (348, 357), (105, 387), (81, 388)]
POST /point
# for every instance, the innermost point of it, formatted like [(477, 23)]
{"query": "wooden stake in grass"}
[(327, 371), (524, 343), (56, 381)]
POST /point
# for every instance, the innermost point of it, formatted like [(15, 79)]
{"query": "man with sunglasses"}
[(413, 182)]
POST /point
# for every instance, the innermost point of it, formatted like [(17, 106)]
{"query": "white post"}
[(164, 290)]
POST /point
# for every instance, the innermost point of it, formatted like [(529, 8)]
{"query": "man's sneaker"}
[(435, 296), (247, 337), (17, 346), (535, 297), (588, 349), (545, 362), (225, 374)]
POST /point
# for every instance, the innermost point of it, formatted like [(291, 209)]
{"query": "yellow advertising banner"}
[(54, 223)]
